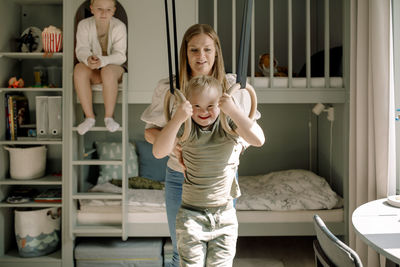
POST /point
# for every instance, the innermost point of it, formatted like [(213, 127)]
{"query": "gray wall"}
[(286, 127)]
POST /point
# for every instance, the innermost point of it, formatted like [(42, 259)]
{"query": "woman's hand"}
[(178, 153), (226, 104)]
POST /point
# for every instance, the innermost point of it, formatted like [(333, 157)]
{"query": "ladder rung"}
[(97, 162), (96, 195), (97, 230), (98, 129)]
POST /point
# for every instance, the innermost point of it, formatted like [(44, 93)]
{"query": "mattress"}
[(283, 82), (102, 216), (99, 87)]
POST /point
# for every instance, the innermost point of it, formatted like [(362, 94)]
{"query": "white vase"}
[(37, 231)]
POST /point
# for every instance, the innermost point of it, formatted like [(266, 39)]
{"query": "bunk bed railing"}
[(290, 30)]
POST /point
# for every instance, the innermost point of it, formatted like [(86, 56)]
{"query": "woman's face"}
[(103, 10), (201, 54)]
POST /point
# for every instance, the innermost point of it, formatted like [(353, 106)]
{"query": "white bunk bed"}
[(280, 203), (152, 221)]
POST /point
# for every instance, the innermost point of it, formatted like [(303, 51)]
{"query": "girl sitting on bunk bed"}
[(101, 42), (206, 224)]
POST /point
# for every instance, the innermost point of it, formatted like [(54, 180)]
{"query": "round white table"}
[(378, 224)]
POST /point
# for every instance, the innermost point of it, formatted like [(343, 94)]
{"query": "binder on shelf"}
[(42, 117), (49, 117), (55, 116)]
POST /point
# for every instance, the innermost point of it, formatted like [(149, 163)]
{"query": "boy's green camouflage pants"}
[(206, 237)]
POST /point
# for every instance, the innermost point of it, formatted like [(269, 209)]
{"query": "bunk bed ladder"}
[(80, 161)]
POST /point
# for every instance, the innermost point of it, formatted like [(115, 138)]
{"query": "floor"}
[(274, 252)]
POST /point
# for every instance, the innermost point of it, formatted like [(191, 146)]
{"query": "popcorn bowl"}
[(52, 39)]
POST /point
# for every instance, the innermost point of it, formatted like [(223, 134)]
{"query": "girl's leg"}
[(173, 199), (83, 77), (110, 76)]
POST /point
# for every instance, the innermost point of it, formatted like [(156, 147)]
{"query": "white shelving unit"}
[(17, 15)]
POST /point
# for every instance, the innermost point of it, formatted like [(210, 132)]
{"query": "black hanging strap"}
[(171, 83), (244, 45)]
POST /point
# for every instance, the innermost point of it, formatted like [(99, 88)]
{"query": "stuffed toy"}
[(14, 83), (263, 65)]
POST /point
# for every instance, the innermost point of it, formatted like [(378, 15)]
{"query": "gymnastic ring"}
[(180, 98), (253, 109)]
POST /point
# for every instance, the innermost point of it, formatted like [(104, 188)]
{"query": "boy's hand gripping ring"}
[(253, 97), (180, 98)]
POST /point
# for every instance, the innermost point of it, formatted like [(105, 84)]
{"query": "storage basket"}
[(37, 231), (27, 162)]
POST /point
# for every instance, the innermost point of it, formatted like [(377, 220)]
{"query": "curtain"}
[(372, 137)]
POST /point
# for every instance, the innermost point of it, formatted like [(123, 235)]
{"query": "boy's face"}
[(103, 10), (205, 106), (201, 54)]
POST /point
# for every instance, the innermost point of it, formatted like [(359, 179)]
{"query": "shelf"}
[(47, 180), (31, 89), (33, 141), (33, 55), (96, 195), (39, 2), (12, 256), (31, 205)]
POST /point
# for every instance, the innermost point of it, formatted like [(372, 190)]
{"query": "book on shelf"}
[(17, 116), (50, 195), (8, 131), (21, 195)]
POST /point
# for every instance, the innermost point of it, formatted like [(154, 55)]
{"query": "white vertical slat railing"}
[(254, 60), (233, 36), (253, 45), (216, 16), (271, 43), (327, 45), (290, 44), (308, 43)]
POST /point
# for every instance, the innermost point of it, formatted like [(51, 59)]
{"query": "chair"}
[(329, 250)]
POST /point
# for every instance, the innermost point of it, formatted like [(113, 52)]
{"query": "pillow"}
[(113, 151), (140, 183), (149, 166)]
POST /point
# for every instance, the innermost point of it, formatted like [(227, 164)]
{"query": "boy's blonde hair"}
[(114, 1), (218, 70), (202, 82)]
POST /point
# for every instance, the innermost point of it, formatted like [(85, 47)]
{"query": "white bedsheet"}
[(286, 190), (276, 191), (142, 198)]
